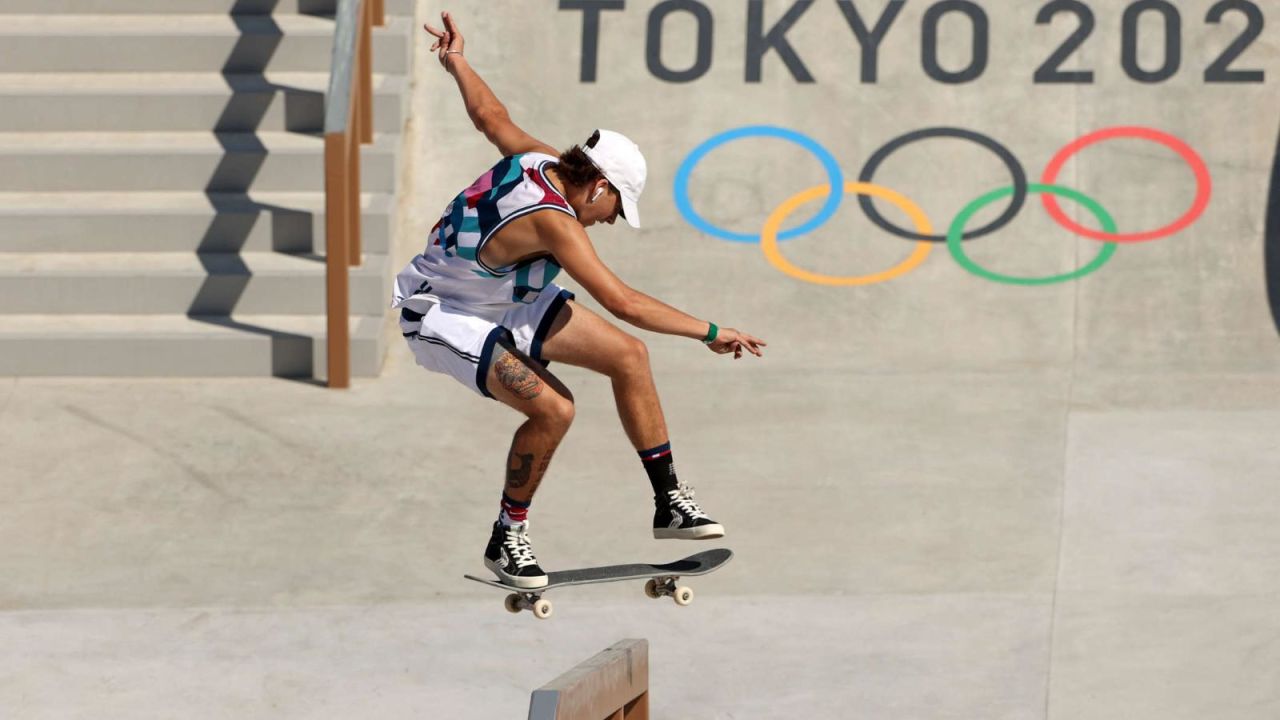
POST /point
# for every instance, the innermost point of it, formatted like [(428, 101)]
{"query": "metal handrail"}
[(348, 122)]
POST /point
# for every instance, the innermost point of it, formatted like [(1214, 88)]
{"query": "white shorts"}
[(448, 339)]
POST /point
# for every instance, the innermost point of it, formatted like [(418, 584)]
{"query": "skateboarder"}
[(479, 304)]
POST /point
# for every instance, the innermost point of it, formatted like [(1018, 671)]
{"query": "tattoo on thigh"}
[(517, 378)]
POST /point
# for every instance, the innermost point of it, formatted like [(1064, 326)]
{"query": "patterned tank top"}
[(450, 269)]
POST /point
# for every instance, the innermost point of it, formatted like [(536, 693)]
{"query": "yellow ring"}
[(769, 235)]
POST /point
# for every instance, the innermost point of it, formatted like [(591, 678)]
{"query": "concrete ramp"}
[(1058, 427)]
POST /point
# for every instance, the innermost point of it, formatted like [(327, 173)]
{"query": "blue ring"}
[(834, 176)]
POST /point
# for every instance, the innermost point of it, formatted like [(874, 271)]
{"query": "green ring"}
[(956, 233)]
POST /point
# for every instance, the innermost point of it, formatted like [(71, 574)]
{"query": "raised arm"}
[(568, 242), (487, 113)]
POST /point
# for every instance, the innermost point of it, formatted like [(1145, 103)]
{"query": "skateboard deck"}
[(661, 580)]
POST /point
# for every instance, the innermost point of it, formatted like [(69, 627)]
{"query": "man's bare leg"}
[(582, 338), (521, 383)]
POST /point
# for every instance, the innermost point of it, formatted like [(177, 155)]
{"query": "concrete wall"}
[(940, 437), (1195, 301)]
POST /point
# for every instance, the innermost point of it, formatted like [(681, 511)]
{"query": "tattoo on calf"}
[(519, 469), (521, 473), (517, 378)]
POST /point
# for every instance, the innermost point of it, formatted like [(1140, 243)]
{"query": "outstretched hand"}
[(729, 340), (448, 40)]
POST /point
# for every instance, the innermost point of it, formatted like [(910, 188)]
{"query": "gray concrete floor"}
[(270, 549), (948, 498)]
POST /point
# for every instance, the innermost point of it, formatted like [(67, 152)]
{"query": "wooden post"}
[(364, 73), (354, 244), (613, 685), (337, 285), (637, 709), (348, 124)]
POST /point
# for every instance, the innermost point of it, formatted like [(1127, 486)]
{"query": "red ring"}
[(1204, 184)]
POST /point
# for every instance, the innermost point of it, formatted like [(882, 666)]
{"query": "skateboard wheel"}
[(683, 596), (542, 609), (512, 603), (651, 589)]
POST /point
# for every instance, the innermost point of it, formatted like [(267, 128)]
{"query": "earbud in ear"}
[(597, 195)]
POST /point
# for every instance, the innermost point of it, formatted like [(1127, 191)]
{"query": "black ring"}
[(1011, 162)]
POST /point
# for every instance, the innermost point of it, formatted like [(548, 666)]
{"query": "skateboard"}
[(661, 580)]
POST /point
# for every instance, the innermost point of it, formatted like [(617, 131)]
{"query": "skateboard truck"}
[(658, 587), (666, 587), (531, 601)]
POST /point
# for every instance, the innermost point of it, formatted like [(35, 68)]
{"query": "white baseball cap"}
[(623, 166)]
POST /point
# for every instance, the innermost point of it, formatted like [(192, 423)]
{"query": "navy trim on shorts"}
[(544, 327), (412, 317), (437, 341), (486, 357)]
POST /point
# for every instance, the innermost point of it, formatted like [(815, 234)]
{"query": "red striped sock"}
[(512, 512)]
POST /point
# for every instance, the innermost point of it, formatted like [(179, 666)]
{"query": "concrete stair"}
[(179, 222), (189, 43), (193, 101), (181, 346), (178, 283), (398, 8), (161, 187), (156, 162)]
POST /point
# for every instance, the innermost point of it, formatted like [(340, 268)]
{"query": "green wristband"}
[(711, 334)]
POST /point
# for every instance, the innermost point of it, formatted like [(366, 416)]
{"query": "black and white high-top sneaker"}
[(510, 557), (678, 517)]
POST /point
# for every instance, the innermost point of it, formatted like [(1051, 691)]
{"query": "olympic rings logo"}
[(922, 231)]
